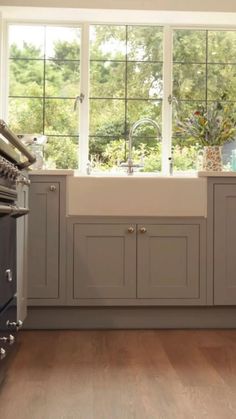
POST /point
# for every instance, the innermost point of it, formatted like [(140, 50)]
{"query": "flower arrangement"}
[(213, 126)]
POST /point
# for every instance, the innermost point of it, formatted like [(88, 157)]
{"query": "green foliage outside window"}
[(125, 85)]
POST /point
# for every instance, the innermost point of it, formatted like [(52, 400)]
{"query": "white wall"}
[(180, 5)]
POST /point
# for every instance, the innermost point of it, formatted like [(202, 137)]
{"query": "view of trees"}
[(126, 84)]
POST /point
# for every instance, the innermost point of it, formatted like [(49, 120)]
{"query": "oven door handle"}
[(19, 212)]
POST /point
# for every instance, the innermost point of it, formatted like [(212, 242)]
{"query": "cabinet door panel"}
[(44, 240), (168, 262), (104, 261), (225, 244)]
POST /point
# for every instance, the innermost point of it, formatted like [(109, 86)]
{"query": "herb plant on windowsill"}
[(209, 128)]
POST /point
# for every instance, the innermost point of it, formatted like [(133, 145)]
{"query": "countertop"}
[(76, 173), (217, 174), (54, 172)]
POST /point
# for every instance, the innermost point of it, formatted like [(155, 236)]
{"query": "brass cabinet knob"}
[(143, 230), (131, 229), (52, 188)]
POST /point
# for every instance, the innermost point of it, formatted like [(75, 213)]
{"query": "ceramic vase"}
[(212, 159)]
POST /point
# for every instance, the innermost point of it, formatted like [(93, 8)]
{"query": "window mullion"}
[(84, 106), (167, 107)]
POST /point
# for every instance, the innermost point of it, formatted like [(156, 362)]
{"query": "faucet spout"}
[(133, 128)]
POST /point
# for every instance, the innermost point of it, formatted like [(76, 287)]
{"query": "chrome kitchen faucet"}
[(129, 164)]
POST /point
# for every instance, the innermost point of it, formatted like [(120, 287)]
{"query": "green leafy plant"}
[(213, 126)]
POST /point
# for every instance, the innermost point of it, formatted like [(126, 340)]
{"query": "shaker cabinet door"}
[(43, 266), (104, 261), (225, 244), (168, 261)]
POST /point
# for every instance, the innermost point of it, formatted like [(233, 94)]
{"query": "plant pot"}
[(212, 159)]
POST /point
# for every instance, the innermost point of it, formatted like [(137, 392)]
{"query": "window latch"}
[(170, 99), (77, 99)]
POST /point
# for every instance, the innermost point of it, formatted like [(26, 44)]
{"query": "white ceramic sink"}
[(136, 195)]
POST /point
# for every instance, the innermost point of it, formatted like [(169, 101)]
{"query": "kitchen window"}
[(44, 78), (124, 73), (204, 71), (126, 84)]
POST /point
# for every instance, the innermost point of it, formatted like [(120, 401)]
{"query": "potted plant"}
[(210, 128)]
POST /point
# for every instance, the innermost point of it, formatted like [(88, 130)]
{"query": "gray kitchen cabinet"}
[(168, 261), (46, 261), (136, 263), (104, 261), (224, 248)]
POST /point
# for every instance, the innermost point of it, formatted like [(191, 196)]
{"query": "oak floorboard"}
[(122, 374)]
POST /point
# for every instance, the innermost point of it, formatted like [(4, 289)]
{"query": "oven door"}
[(8, 330), (7, 260)]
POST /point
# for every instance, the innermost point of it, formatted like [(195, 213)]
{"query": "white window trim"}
[(166, 20), (166, 106), (84, 106)]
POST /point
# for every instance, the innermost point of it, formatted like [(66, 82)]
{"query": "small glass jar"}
[(37, 149)]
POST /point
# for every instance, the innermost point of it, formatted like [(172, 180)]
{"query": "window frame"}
[(83, 132)]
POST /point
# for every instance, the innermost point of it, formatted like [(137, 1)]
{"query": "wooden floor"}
[(122, 375)]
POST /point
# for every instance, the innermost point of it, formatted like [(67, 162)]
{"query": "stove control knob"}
[(3, 165), (2, 353), (7, 168), (11, 339), (14, 325)]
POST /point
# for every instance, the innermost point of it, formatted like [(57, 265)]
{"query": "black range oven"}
[(14, 158)]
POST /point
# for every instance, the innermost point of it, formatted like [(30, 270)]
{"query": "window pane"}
[(145, 80), (62, 43), (144, 109), (182, 110), (26, 41), (221, 82), (106, 152), (60, 117), (189, 46), (185, 158), (26, 116), (107, 79), (61, 153), (62, 78), (107, 117), (185, 152), (221, 46), (145, 43), (107, 42), (26, 77), (189, 81)]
